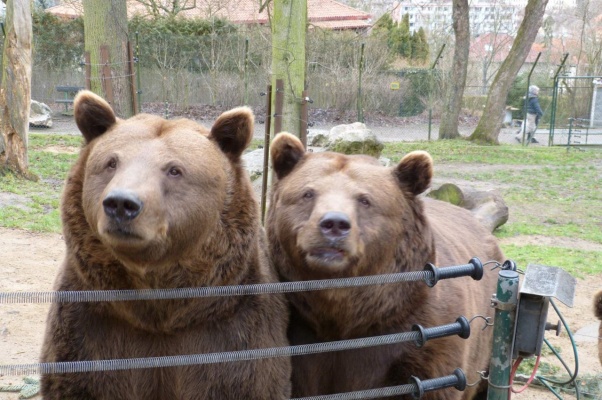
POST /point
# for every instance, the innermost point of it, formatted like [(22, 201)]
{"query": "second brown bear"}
[(336, 216)]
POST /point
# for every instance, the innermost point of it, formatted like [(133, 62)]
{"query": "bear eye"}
[(308, 194), (112, 164), (364, 201), (174, 171)]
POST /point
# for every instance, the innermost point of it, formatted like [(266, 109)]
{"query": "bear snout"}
[(122, 205), (335, 225)]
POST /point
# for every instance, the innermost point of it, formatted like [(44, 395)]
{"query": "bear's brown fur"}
[(335, 216), (598, 313), (152, 203)]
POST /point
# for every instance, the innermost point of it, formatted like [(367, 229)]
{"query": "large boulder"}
[(487, 206), (354, 138), (40, 115)]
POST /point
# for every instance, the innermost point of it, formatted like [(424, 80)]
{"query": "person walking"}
[(534, 113)]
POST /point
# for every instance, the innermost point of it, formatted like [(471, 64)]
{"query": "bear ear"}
[(286, 151), (415, 171), (93, 115), (233, 131)]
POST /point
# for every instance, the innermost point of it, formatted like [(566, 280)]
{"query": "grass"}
[(549, 191)]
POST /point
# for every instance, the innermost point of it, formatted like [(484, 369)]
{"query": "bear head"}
[(153, 191), (336, 215)]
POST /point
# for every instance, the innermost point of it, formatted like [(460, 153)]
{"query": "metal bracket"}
[(546, 281), (500, 305)]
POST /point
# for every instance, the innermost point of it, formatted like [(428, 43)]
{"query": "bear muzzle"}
[(121, 205), (333, 246), (335, 225)]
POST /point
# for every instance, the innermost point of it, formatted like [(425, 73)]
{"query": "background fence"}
[(218, 66)]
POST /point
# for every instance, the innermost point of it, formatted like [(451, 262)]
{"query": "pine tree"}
[(406, 38)]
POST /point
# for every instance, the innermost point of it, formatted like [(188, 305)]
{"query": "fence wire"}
[(214, 291), (203, 359)]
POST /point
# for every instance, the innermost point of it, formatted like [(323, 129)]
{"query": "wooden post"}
[(106, 77), (304, 117), (360, 105), (132, 76), (266, 152), (88, 70)]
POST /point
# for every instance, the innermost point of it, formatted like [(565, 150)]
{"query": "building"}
[(326, 14), (435, 16)]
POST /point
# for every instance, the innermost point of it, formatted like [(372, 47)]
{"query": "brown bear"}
[(598, 313), (335, 216), (149, 204)]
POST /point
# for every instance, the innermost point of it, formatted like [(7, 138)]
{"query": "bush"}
[(421, 88)]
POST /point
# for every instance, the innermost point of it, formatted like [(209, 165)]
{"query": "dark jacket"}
[(533, 106)]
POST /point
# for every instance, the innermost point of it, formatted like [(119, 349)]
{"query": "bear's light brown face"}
[(333, 205), (151, 181), (337, 214), (154, 190)]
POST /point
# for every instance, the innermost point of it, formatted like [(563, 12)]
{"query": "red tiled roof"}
[(328, 14)]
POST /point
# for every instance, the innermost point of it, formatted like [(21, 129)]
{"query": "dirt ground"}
[(30, 262)]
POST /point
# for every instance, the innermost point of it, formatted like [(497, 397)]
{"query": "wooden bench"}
[(69, 93)]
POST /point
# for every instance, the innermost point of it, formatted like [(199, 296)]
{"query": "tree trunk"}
[(289, 26), (490, 124), (15, 90), (106, 36), (448, 128)]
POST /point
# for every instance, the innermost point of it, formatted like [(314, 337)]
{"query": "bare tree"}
[(15, 90), (490, 124), (448, 129), (167, 7)]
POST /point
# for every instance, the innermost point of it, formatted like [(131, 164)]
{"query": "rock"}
[(354, 138), (487, 206), (40, 115), (384, 161), (317, 137), (253, 162)]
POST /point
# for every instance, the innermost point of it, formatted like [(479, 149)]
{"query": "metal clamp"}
[(500, 305)]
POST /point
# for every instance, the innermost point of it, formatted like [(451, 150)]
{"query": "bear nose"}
[(335, 224), (122, 205)]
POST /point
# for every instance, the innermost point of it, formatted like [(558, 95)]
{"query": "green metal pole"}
[(503, 332), (555, 100), (553, 115)]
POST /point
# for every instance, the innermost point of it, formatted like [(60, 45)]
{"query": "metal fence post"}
[(504, 301), (555, 100)]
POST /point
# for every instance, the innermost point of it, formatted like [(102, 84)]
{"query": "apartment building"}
[(486, 16)]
